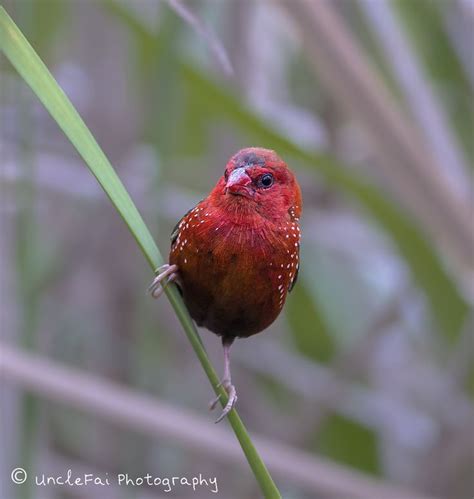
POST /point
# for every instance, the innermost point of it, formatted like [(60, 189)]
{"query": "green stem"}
[(36, 75)]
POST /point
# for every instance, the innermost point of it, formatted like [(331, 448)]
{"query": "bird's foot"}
[(164, 275), (230, 389)]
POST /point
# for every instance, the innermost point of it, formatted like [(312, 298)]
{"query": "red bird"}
[(235, 255)]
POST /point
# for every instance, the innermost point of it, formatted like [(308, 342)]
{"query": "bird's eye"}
[(226, 175), (266, 180)]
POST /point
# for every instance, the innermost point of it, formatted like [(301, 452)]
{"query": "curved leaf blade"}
[(37, 76)]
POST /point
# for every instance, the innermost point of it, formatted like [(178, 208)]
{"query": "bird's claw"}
[(230, 389), (167, 272)]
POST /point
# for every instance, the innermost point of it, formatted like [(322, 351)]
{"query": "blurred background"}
[(366, 380)]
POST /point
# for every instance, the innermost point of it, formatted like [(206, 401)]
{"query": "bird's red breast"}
[(238, 250)]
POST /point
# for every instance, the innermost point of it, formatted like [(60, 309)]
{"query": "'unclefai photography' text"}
[(69, 479)]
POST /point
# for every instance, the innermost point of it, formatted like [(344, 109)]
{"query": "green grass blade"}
[(36, 75)]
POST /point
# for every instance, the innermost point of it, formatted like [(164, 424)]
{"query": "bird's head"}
[(258, 179)]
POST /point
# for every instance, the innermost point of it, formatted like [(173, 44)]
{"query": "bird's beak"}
[(239, 183)]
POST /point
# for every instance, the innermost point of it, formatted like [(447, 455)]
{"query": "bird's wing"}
[(293, 282), (174, 234), (294, 218)]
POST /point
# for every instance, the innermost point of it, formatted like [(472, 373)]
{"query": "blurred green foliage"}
[(348, 442), (305, 317), (427, 29)]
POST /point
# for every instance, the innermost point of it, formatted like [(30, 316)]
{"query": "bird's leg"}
[(166, 273), (226, 383)]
